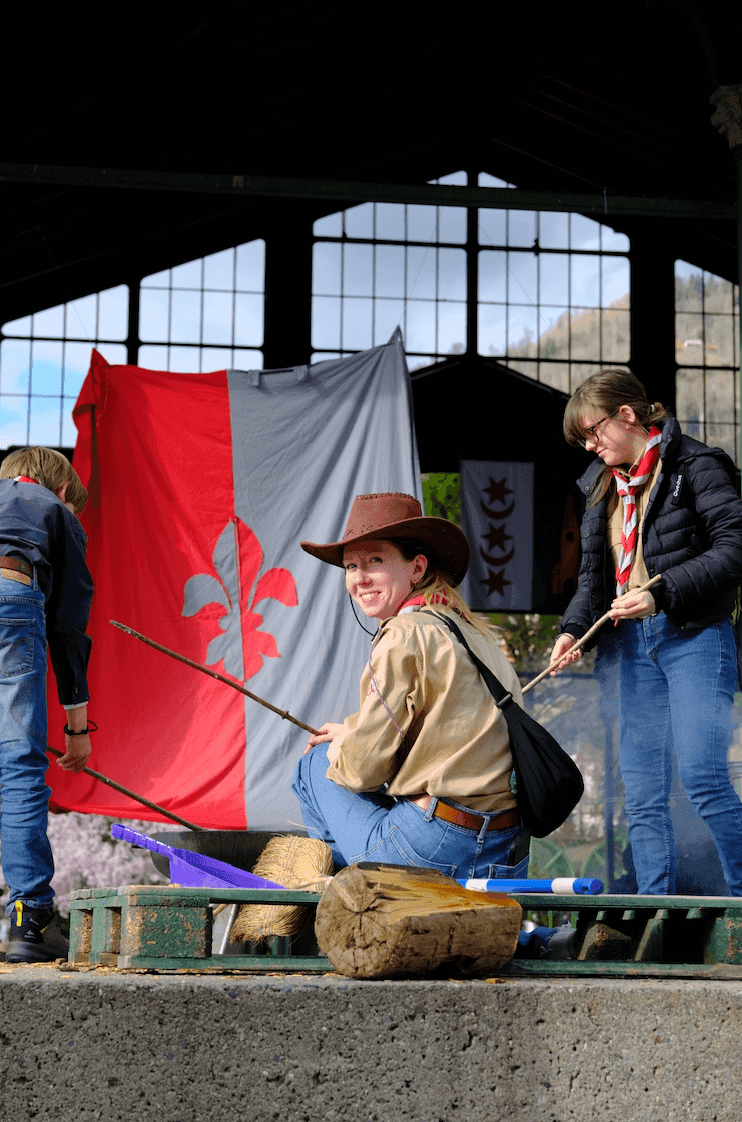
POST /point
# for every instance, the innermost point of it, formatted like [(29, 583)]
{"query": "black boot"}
[(34, 935)]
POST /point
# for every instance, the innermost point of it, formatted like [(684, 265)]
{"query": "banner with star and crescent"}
[(497, 516)]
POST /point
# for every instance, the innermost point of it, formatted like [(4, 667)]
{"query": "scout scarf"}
[(627, 489)]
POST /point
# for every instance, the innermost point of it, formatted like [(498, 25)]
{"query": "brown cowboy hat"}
[(393, 515)]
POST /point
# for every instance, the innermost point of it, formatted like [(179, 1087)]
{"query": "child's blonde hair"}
[(49, 468)]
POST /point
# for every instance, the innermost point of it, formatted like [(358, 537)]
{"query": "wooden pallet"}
[(166, 927), (689, 936), (169, 928)]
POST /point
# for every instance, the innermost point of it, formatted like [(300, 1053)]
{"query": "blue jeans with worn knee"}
[(26, 854), (676, 693)]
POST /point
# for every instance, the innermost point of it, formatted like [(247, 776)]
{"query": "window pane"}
[(326, 268), (46, 372), (15, 366), (185, 360), (153, 358), (185, 317), (187, 275), (44, 421), (555, 374), (720, 396), (250, 268), (492, 323), (689, 339), (585, 278), (554, 342), (720, 341), (492, 275), (326, 322), (331, 226), (13, 420), (456, 179), (218, 317), (82, 316), (451, 329), (689, 400), (357, 333), (584, 232), (554, 278), (585, 333), (113, 313), (523, 285), (219, 270), (553, 230), (421, 223), (615, 279), (69, 429), (216, 358), (530, 369), (247, 360), (611, 240), (358, 270), (154, 306), (18, 326), (390, 222), (521, 227), (421, 268), (390, 270), (723, 436), (484, 179), (616, 335), (492, 225), (248, 320), (359, 221), (157, 280), (522, 329), (451, 224), (452, 274), (388, 314), (49, 322), (420, 334)]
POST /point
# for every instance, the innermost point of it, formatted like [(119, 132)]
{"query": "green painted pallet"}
[(166, 927), (688, 936)]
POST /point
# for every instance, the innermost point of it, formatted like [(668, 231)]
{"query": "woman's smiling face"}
[(378, 577)]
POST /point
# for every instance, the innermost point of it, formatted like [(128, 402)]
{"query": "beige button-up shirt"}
[(456, 742)]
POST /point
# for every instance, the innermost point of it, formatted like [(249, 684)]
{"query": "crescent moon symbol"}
[(494, 561), (497, 513)]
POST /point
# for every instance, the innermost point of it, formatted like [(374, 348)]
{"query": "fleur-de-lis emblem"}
[(238, 557)]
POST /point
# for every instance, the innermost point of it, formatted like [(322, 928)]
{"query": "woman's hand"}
[(328, 732), (563, 643), (633, 605)]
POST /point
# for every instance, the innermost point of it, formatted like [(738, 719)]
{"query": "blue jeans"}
[(677, 692), (371, 826), (26, 854)]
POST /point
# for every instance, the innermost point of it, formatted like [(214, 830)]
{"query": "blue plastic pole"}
[(560, 886)]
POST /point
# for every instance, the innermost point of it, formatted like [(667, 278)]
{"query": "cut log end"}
[(386, 921)]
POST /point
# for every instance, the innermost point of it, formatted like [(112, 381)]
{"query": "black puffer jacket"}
[(692, 535)]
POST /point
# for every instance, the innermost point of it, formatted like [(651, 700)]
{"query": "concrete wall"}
[(185, 1048)]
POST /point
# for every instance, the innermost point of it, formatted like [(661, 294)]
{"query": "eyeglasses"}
[(590, 433)]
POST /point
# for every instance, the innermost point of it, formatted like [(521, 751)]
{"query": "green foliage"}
[(442, 495), (529, 637)]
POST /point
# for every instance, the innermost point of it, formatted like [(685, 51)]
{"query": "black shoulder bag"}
[(548, 782)]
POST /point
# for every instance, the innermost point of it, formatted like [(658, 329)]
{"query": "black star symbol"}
[(496, 582), (497, 491), (496, 537)]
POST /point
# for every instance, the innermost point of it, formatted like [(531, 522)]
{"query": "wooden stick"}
[(282, 713), (131, 794), (581, 642)]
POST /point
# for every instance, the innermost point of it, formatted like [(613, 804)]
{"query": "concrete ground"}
[(108, 1045)]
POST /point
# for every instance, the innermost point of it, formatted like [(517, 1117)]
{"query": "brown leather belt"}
[(19, 564), (471, 821)]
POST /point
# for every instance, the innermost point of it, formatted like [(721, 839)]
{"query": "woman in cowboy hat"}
[(420, 774)]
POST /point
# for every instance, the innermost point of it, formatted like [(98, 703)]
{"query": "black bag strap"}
[(494, 685)]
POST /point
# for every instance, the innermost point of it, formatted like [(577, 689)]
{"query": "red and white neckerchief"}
[(627, 489), (421, 602), (23, 479)]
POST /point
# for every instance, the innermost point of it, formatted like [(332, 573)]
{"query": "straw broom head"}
[(294, 862)]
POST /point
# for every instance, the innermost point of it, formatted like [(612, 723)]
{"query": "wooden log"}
[(391, 921)]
